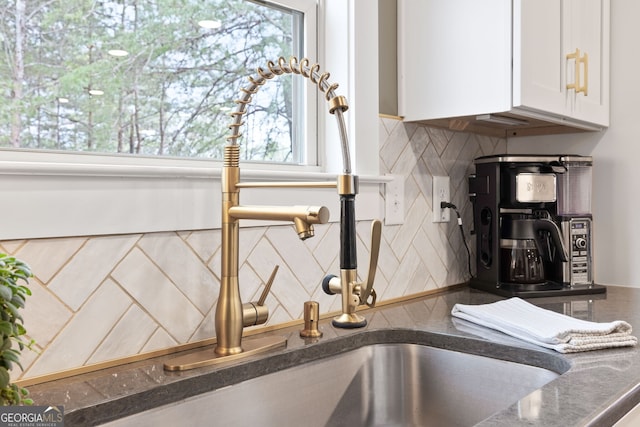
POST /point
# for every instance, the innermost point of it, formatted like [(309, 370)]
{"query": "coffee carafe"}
[(532, 225), (524, 247)]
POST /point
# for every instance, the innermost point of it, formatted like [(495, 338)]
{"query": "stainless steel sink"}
[(375, 385)]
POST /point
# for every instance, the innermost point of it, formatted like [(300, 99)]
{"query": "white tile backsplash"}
[(89, 267), (161, 339), (46, 314), (101, 298), (190, 275), (47, 257), (84, 332), (158, 295), (131, 333)]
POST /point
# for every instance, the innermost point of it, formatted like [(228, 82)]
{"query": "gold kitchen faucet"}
[(231, 314)]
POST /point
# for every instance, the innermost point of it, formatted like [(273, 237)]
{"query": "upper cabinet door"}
[(561, 58), (538, 58), (454, 57), (588, 32), (544, 62)]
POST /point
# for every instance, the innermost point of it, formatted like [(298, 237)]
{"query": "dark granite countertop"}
[(595, 388)]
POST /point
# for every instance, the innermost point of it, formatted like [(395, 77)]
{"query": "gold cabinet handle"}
[(584, 61), (576, 78)]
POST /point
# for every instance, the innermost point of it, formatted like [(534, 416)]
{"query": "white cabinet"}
[(466, 64)]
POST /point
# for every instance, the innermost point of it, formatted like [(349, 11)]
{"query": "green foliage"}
[(169, 96), (13, 294)]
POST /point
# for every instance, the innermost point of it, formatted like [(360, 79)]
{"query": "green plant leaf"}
[(5, 363), (18, 300), (19, 329), (6, 328), (5, 288), (15, 393), (4, 378), (10, 357), (10, 354), (24, 268), (24, 397), (12, 298), (13, 310)]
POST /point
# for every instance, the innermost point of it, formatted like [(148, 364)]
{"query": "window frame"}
[(51, 194)]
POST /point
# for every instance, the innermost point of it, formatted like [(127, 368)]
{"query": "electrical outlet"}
[(394, 201), (441, 193)]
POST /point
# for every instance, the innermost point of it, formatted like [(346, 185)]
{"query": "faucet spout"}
[(303, 217)]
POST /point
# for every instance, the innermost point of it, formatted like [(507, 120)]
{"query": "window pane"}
[(146, 77)]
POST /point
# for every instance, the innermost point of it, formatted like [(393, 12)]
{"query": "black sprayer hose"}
[(348, 256)]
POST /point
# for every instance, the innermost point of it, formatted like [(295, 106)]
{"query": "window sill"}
[(79, 195)]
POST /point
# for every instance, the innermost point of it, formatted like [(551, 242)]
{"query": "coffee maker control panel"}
[(577, 231)]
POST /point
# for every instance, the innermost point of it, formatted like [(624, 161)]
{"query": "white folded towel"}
[(546, 328)]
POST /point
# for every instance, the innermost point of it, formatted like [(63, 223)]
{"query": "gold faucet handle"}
[(267, 286), (256, 313), (367, 289)]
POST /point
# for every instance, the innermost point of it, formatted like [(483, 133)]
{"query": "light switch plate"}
[(394, 201)]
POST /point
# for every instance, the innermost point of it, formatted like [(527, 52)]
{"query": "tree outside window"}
[(152, 77)]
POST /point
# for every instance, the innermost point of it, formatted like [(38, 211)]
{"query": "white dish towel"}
[(546, 328)]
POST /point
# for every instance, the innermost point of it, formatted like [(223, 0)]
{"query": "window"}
[(150, 78), (63, 193)]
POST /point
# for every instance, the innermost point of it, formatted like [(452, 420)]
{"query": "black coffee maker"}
[(532, 221)]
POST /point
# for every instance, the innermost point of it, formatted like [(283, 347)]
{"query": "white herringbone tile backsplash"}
[(102, 298)]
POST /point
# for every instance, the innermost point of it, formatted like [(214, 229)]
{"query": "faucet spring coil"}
[(293, 66), (337, 104)]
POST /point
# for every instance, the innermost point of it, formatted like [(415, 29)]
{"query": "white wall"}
[(616, 151)]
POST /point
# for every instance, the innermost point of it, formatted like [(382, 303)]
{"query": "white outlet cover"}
[(441, 193)]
